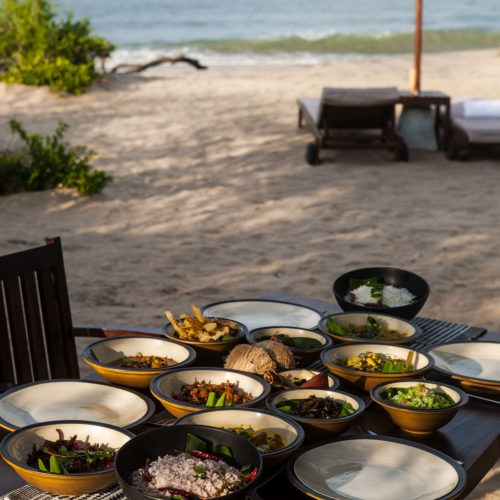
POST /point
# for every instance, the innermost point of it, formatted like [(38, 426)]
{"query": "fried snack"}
[(201, 329)]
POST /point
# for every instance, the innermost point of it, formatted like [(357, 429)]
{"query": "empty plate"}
[(475, 364), (370, 468), (261, 313), (73, 400)]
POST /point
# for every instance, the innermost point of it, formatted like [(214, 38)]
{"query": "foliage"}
[(36, 48), (46, 162)]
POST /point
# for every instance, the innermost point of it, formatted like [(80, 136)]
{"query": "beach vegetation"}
[(46, 162), (38, 48)]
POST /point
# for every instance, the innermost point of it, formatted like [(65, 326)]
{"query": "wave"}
[(392, 43)]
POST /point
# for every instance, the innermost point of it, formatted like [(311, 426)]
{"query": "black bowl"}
[(392, 276), (158, 442)]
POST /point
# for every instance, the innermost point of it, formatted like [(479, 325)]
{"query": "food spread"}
[(212, 395), (201, 329), (417, 396), (377, 362), (69, 456), (141, 361), (372, 329), (315, 407), (373, 292)]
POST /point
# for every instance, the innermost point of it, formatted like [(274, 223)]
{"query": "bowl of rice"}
[(387, 290), (188, 461)]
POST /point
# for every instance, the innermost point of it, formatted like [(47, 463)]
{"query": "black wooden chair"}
[(36, 330)]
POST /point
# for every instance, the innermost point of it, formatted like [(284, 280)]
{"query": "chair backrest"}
[(357, 108), (36, 336)]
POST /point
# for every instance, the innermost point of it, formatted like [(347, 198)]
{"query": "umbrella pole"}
[(418, 47)]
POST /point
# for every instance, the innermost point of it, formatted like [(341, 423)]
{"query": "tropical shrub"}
[(46, 162), (36, 48)]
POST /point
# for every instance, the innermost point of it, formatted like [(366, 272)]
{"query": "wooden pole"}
[(418, 44)]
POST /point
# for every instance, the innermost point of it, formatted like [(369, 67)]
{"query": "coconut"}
[(279, 353), (251, 359)]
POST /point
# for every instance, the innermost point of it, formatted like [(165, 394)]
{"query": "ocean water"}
[(243, 32)]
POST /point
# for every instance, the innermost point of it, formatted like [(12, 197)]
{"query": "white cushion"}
[(482, 108)]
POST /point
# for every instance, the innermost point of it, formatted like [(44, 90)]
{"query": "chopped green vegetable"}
[(374, 324), (194, 443), (41, 466), (211, 399), (221, 401), (54, 465), (334, 327)]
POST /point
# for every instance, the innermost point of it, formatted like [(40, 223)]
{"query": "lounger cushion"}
[(482, 108), (479, 130), (360, 97)]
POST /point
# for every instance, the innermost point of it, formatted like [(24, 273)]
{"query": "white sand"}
[(212, 199)]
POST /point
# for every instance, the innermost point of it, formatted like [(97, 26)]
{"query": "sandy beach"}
[(212, 198)]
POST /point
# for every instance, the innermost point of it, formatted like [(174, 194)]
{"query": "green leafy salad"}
[(417, 396)]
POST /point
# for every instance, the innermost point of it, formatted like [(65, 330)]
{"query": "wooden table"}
[(471, 437), (436, 99)]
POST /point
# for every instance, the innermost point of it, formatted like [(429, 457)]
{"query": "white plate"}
[(479, 361), (72, 400), (261, 313), (370, 468)]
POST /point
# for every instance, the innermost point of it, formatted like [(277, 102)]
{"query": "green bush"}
[(46, 162), (38, 49)]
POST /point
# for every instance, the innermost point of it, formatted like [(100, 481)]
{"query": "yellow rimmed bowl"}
[(318, 428), (165, 386), (365, 380), (303, 356), (209, 353), (290, 431), (417, 420), (102, 353), (412, 331), (16, 446)]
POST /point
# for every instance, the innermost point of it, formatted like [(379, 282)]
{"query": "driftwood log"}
[(136, 68)]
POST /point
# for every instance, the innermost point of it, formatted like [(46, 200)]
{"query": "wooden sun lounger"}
[(345, 118), (470, 131)]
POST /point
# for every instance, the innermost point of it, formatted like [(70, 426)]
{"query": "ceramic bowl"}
[(18, 444), (305, 374), (164, 386), (413, 331), (289, 430), (374, 467), (100, 354), (71, 399), (399, 278), (365, 380), (415, 420), (170, 440), (476, 365), (303, 356), (318, 428), (209, 353)]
